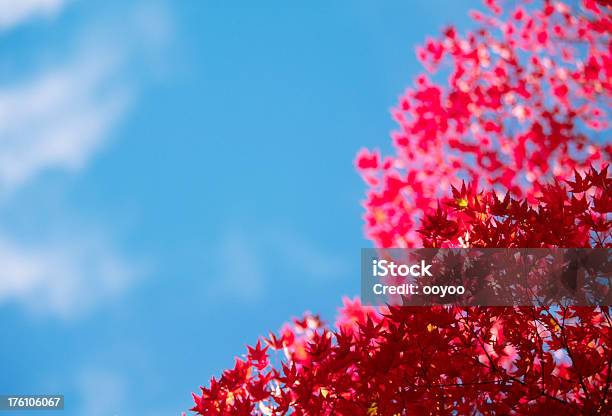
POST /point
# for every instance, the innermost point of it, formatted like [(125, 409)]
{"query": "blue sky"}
[(176, 179)]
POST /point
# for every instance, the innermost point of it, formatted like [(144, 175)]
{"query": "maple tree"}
[(505, 154)]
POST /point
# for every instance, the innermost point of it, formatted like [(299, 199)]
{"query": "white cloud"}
[(59, 119), (63, 277), (63, 114), (14, 12)]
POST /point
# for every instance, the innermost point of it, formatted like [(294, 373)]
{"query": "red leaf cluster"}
[(446, 360), (578, 217), (524, 90)]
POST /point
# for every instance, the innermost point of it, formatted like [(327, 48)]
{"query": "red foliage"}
[(523, 92), (524, 89), (440, 360), (578, 218)]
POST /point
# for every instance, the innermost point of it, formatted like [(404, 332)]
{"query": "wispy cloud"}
[(58, 117), (63, 277), (14, 12)]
